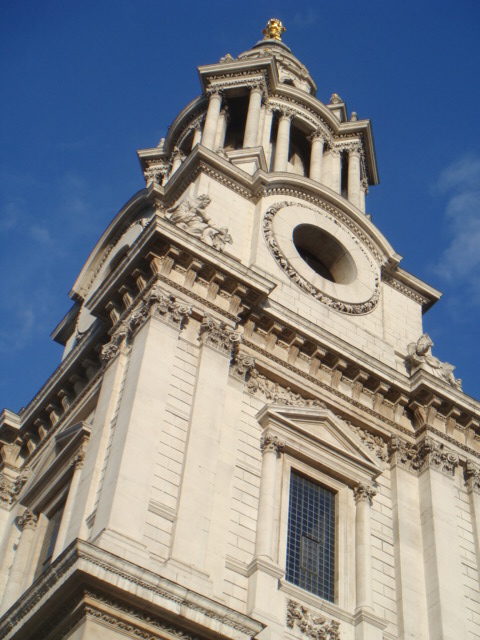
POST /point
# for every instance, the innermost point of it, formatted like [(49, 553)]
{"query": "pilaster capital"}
[(79, 457), (242, 363), (218, 335), (471, 475), (427, 454), (364, 493), (364, 184), (271, 443), (163, 305), (28, 520)]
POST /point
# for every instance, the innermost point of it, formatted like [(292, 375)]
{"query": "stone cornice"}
[(83, 565)]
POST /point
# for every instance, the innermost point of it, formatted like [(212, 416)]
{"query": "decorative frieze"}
[(218, 335), (273, 392), (426, 454), (271, 442), (364, 493), (312, 625), (420, 357)]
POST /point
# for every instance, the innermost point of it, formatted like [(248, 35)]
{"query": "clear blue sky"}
[(87, 83)]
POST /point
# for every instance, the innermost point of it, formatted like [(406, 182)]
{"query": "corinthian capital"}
[(218, 335), (364, 493), (270, 442), (28, 520), (472, 476)]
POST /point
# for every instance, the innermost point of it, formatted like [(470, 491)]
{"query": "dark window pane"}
[(311, 537)]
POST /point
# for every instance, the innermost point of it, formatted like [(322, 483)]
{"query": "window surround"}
[(320, 446)]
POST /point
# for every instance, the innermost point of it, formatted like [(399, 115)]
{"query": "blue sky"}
[(85, 84)]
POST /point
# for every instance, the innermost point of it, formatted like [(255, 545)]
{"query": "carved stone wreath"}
[(353, 307)]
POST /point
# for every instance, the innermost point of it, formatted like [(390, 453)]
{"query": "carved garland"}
[(277, 394), (338, 305), (312, 625)]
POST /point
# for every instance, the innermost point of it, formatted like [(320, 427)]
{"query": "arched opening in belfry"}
[(237, 109), (299, 152)]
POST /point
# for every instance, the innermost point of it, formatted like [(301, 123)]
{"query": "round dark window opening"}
[(324, 254)]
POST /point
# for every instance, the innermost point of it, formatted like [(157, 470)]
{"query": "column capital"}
[(364, 493), (271, 443), (318, 134), (354, 151), (364, 184), (28, 520), (215, 91), (258, 88), (286, 113), (218, 335), (471, 475), (242, 364)]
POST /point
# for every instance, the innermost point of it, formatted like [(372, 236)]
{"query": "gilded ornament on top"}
[(274, 30)]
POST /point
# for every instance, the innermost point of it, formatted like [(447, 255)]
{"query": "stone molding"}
[(155, 303), (310, 624), (270, 442), (84, 564), (427, 454), (218, 335), (350, 308), (273, 392), (364, 493), (405, 290)]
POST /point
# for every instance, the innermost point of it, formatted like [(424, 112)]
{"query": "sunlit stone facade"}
[(248, 434)]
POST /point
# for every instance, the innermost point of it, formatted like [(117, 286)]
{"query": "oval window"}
[(324, 254)]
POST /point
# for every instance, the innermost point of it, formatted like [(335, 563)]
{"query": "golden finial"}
[(274, 30)]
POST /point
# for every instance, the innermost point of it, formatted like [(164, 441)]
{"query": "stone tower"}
[(248, 434)]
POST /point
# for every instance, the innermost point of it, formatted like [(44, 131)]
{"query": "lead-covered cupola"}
[(259, 111)]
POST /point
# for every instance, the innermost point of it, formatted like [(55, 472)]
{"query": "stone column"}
[(28, 523), (363, 496), (441, 554), (211, 121), (271, 450), (354, 176), (77, 463), (221, 130), (263, 571), (335, 170), (200, 468), (197, 134), (253, 117), (316, 156), (267, 132), (283, 141)]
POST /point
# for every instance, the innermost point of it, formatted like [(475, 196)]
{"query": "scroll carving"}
[(312, 625), (242, 364), (28, 520)]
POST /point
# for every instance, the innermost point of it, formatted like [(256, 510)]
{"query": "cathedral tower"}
[(248, 434)]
